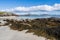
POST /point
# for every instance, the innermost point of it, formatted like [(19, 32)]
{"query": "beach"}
[(7, 34)]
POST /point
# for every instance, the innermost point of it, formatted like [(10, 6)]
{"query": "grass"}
[(2, 12)]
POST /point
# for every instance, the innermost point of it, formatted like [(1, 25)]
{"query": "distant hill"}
[(7, 14), (44, 15)]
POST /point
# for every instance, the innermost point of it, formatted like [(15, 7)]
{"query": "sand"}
[(7, 34)]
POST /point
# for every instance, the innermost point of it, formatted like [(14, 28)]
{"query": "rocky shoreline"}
[(46, 27)]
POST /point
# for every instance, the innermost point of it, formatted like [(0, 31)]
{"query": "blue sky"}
[(10, 4), (15, 3)]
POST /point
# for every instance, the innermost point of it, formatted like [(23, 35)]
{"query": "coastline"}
[(41, 27), (8, 17), (8, 34)]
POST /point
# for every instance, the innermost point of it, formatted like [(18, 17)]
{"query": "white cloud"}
[(36, 8), (56, 7)]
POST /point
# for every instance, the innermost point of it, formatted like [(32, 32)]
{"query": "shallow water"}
[(34, 17)]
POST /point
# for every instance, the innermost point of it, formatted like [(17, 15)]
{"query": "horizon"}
[(51, 7)]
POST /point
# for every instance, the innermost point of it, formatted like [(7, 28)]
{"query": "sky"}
[(31, 6)]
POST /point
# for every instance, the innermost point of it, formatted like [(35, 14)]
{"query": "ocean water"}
[(34, 17)]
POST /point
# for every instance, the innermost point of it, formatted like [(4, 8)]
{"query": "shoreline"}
[(10, 34), (45, 27), (8, 17), (41, 27)]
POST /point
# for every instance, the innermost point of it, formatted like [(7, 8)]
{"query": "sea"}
[(35, 17)]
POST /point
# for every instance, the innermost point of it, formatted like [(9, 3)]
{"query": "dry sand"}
[(7, 34)]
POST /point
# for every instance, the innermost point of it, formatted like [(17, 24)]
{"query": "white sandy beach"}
[(7, 34), (8, 17)]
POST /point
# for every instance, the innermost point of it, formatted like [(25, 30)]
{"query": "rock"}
[(47, 27)]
